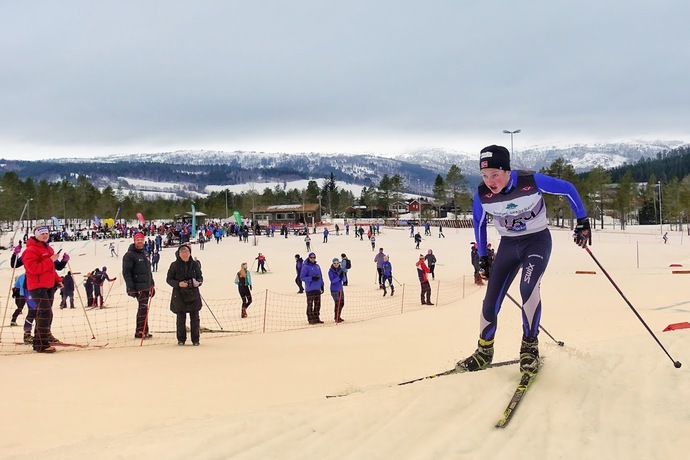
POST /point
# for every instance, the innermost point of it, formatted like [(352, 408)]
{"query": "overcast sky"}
[(80, 78)]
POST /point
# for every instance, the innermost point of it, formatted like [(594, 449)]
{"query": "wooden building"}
[(287, 214)]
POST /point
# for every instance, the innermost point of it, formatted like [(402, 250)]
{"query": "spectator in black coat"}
[(185, 277), (136, 270), (67, 291)]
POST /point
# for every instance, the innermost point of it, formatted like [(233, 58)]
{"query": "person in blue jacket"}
[(33, 310), (387, 275), (298, 268), (19, 295), (514, 198), (313, 285), (336, 275)]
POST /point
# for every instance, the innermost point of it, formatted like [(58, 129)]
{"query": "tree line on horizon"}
[(629, 194)]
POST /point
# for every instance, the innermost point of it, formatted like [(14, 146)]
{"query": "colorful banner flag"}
[(140, 217), (193, 235), (56, 221)]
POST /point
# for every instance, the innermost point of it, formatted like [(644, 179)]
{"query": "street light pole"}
[(517, 131), (226, 204), (661, 220)]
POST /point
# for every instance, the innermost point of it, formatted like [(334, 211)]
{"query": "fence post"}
[(438, 288), (402, 300), (265, 309)]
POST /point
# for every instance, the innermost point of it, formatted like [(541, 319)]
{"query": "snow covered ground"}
[(610, 392)]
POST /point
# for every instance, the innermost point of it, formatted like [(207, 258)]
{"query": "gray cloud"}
[(82, 76)]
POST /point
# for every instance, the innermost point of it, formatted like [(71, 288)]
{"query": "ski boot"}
[(28, 338), (529, 355), (480, 359)]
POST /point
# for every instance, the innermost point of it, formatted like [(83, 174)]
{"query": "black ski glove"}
[(583, 233), (484, 267), (315, 278)]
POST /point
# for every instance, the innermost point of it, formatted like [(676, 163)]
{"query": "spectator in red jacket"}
[(422, 271), (42, 281)]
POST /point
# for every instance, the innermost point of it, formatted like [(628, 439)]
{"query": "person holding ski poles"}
[(387, 275), (514, 198), (262, 263)]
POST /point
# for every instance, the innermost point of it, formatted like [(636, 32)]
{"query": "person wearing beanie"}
[(139, 283), (335, 275), (185, 277), (378, 258), (42, 281), (431, 262), (101, 278), (387, 269), (298, 268), (345, 265), (314, 286), (261, 263), (422, 271), (514, 199)]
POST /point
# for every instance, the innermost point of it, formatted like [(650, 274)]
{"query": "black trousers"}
[(142, 312), (194, 324), (44, 316), (246, 295), (20, 302), (313, 306), (426, 292)]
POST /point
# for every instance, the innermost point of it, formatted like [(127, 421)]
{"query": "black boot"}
[(480, 359), (529, 355)]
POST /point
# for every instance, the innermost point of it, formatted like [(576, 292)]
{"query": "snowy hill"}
[(188, 173)]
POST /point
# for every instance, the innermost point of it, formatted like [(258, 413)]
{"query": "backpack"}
[(348, 264)]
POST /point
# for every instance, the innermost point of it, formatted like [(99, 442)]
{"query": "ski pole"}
[(86, 315), (7, 303), (14, 267), (146, 318), (110, 288), (14, 235), (396, 280), (209, 309), (560, 344), (677, 364)]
